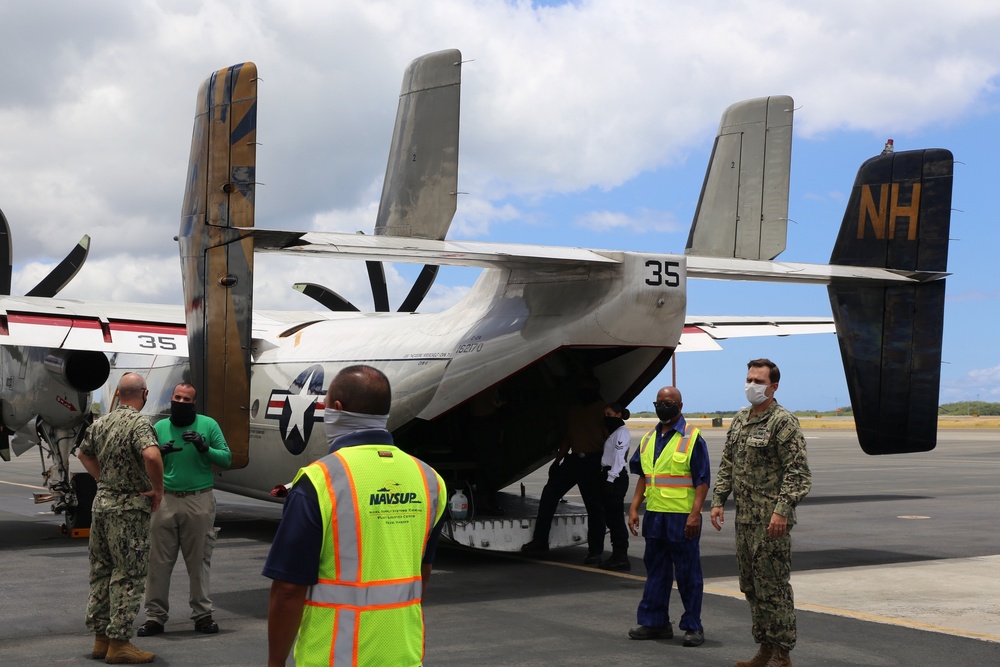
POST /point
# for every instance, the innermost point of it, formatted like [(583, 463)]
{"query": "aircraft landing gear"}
[(78, 516)]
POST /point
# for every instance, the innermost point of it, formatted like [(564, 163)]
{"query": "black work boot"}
[(618, 561)]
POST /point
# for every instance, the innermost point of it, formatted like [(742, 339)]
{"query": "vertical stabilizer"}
[(217, 252), (421, 176), (898, 218), (743, 208)]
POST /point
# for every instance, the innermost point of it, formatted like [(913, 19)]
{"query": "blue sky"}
[(584, 123)]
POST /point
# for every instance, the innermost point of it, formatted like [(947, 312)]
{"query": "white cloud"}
[(95, 120), (644, 221), (977, 384)]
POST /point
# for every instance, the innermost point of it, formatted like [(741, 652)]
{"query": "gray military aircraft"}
[(538, 317)]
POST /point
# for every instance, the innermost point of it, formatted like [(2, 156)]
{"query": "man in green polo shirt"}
[(190, 444)]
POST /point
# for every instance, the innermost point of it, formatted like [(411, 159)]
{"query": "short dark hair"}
[(774, 374), (620, 409), (186, 384), (362, 389)]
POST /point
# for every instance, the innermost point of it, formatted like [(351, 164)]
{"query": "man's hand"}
[(778, 526), (718, 517), (633, 520), (169, 448), (195, 439), (693, 526), (155, 496)]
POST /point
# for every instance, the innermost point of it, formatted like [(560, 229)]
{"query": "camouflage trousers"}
[(119, 557), (765, 566)]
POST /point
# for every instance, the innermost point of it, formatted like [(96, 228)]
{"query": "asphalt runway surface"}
[(896, 563)]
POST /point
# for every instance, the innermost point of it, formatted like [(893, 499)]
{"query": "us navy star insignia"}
[(298, 408)]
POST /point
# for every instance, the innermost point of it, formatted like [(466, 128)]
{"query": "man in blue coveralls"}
[(674, 473)]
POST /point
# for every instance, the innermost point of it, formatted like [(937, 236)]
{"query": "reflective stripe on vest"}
[(342, 621), (669, 484)]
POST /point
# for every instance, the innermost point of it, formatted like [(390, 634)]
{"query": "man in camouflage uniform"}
[(764, 466), (120, 450)]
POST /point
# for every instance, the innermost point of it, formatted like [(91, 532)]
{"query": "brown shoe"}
[(124, 652), (100, 647), (759, 660), (779, 658)]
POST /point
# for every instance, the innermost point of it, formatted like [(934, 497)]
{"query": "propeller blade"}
[(60, 276), (325, 296), (376, 276), (419, 289), (6, 255)]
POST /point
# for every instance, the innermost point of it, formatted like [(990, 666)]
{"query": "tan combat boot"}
[(124, 652), (100, 647), (779, 658), (759, 660)]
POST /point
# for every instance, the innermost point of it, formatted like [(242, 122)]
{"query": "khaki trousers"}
[(185, 524)]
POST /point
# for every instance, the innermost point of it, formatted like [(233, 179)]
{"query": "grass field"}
[(835, 422)]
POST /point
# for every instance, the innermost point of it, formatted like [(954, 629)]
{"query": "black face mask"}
[(666, 413), (181, 414), (613, 423)]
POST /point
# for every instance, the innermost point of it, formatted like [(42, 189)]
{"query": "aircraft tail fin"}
[(216, 252), (743, 208), (898, 217)]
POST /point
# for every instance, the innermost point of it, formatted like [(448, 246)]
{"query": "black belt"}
[(181, 494), (584, 455)]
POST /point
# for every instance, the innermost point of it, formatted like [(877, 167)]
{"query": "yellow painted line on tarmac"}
[(820, 609), (893, 620), (871, 618), (27, 486)]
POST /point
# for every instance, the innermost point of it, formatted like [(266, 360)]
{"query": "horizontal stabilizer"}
[(743, 208), (898, 218), (427, 251)]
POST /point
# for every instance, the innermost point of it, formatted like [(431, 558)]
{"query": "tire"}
[(85, 489)]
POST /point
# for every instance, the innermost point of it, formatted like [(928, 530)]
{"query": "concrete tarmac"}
[(895, 564)]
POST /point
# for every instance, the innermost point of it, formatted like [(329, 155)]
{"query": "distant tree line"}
[(970, 408)]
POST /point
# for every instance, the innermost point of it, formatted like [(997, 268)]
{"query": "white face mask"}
[(755, 393), (339, 422)]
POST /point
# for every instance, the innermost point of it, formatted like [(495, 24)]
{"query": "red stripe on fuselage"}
[(92, 323)]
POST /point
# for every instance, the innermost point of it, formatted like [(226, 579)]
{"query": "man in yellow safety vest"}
[(673, 468), (353, 552)]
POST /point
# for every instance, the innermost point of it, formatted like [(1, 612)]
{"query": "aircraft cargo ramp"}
[(508, 531)]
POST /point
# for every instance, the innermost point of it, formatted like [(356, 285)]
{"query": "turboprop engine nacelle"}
[(55, 385), (79, 369)]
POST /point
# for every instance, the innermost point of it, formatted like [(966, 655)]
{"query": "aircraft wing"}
[(702, 333), (93, 325)]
